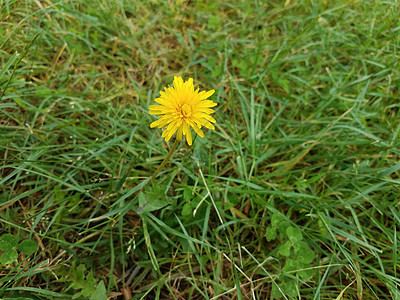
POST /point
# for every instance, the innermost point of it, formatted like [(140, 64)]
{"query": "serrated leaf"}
[(285, 248), (27, 247), (8, 242), (85, 285), (9, 257), (294, 234)]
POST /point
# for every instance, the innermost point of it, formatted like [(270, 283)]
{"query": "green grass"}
[(299, 180)]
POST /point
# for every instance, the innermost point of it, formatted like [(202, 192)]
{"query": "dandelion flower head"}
[(182, 107)]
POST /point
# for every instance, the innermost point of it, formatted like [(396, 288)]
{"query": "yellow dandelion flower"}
[(183, 107)]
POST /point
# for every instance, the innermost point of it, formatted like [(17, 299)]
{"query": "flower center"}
[(186, 111)]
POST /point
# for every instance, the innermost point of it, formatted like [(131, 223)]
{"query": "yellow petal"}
[(200, 116), (154, 124), (208, 117), (207, 124), (207, 103), (159, 110), (197, 129), (196, 121), (179, 133), (186, 132), (167, 130), (207, 110), (189, 84), (178, 83), (164, 101), (162, 121), (204, 95), (172, 129)]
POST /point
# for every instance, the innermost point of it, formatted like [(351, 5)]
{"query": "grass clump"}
[(294, 195)]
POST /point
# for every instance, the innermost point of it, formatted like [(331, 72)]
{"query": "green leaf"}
[(307, 274), (291, 265), (270, 234), (3, 197), (228, 205), (100, 293), (187, 209), (8, 242), (151, 201), (276, 291), (214, 22), (200, 151), (85, 284), (187, 194), (285, 248), (275, 219), (283, 226), (9, 257), (290, 288), (321, 226), (27, 247), (294, 234), (59, 194), (305, 255), (218, 70)]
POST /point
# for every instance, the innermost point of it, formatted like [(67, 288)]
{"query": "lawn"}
[(293, 195)]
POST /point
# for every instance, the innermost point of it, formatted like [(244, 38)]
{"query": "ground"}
[(294, 195)]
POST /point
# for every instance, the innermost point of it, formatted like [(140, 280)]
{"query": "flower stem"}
[(171, 151)]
